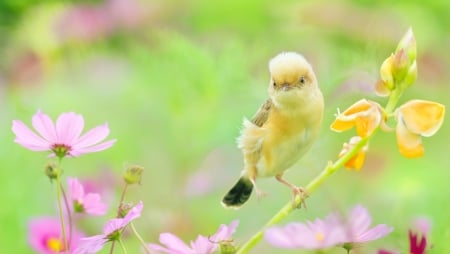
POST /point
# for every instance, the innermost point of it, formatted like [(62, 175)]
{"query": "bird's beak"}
[(285, 87)]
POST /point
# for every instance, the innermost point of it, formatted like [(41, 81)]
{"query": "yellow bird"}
[(283, 129)]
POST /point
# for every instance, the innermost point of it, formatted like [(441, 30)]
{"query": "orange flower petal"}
[(409, 144), (340, 125), (422, 117), (357, 161), (357, 114), (381, 89)]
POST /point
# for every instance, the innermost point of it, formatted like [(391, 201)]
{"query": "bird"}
[(282, 130)]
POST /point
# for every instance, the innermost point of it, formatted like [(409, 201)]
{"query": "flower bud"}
[(411, 76), (408, 44), (400, 65), (227, 247), (51, 170), (386, 73), (133, 174)]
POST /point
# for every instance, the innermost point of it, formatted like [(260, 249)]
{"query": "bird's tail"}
[(239, 194)]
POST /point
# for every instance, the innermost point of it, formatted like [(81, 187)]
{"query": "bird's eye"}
[(302, 80), (274, 84)]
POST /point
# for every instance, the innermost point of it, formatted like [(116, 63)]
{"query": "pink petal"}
[(28, 139), (93, 205), (225, 231), (41, 228), (157, 248), (174, 243), (374, 233), (69, 127), (113, 225), (45, 127), (280, 238), (92, 137), (134, 213), (359, 221), (76, 190), (89, 245), (96, 148), (203, 245)]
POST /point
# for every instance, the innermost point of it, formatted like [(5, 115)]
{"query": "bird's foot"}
[(260, 194), (302, 194)]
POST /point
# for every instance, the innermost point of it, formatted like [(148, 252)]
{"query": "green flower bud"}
[(400, 65), (133, 174), (227, 247), (51, 170), (408, 43), (411, 76)]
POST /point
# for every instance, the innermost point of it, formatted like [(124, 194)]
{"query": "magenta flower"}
[(357, 227), (44, 236), (201, 245), (417, 245), (318, 234), (63, 139), (111, 232), (89, 203)]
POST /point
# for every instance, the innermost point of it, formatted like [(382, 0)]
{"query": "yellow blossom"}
[(357, 161), (365, 115), (417, 118)]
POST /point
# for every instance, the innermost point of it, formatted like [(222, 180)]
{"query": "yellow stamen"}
[(55, 244), (319, 236)]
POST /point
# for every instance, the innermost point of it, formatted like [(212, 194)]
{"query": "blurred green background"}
[(174, 79)]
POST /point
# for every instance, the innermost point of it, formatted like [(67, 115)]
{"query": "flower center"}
[(319, 236), (78, 206), (60, 150), (55, 244)]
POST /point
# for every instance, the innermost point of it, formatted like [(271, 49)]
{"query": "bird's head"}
[(291, 78)]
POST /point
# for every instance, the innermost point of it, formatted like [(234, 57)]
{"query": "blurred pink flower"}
[(84, 23), (44, 236), (63, 139), (318, 234), (333, 230), (111, 232), (357, 227), (89, 203), (202, 245)]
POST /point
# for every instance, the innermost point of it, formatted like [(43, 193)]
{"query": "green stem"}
[(60, 207), (122, 245), (69, 214), (122, 197), (311, 187), (393, 100), (139, 238)]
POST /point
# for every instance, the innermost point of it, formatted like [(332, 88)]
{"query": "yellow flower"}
[(365, 115), (417, 118), (357, 161)]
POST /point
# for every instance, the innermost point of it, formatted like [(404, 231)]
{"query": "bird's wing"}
[(262, 114), (252, 135)]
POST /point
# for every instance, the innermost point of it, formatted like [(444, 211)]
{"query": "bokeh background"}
[(175, 78)]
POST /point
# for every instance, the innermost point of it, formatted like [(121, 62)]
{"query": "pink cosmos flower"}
[(63, 139), (89, 203), (111, 232), (333, 230), (318, 234), (201, 245), (44, 236), (357, 227)]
